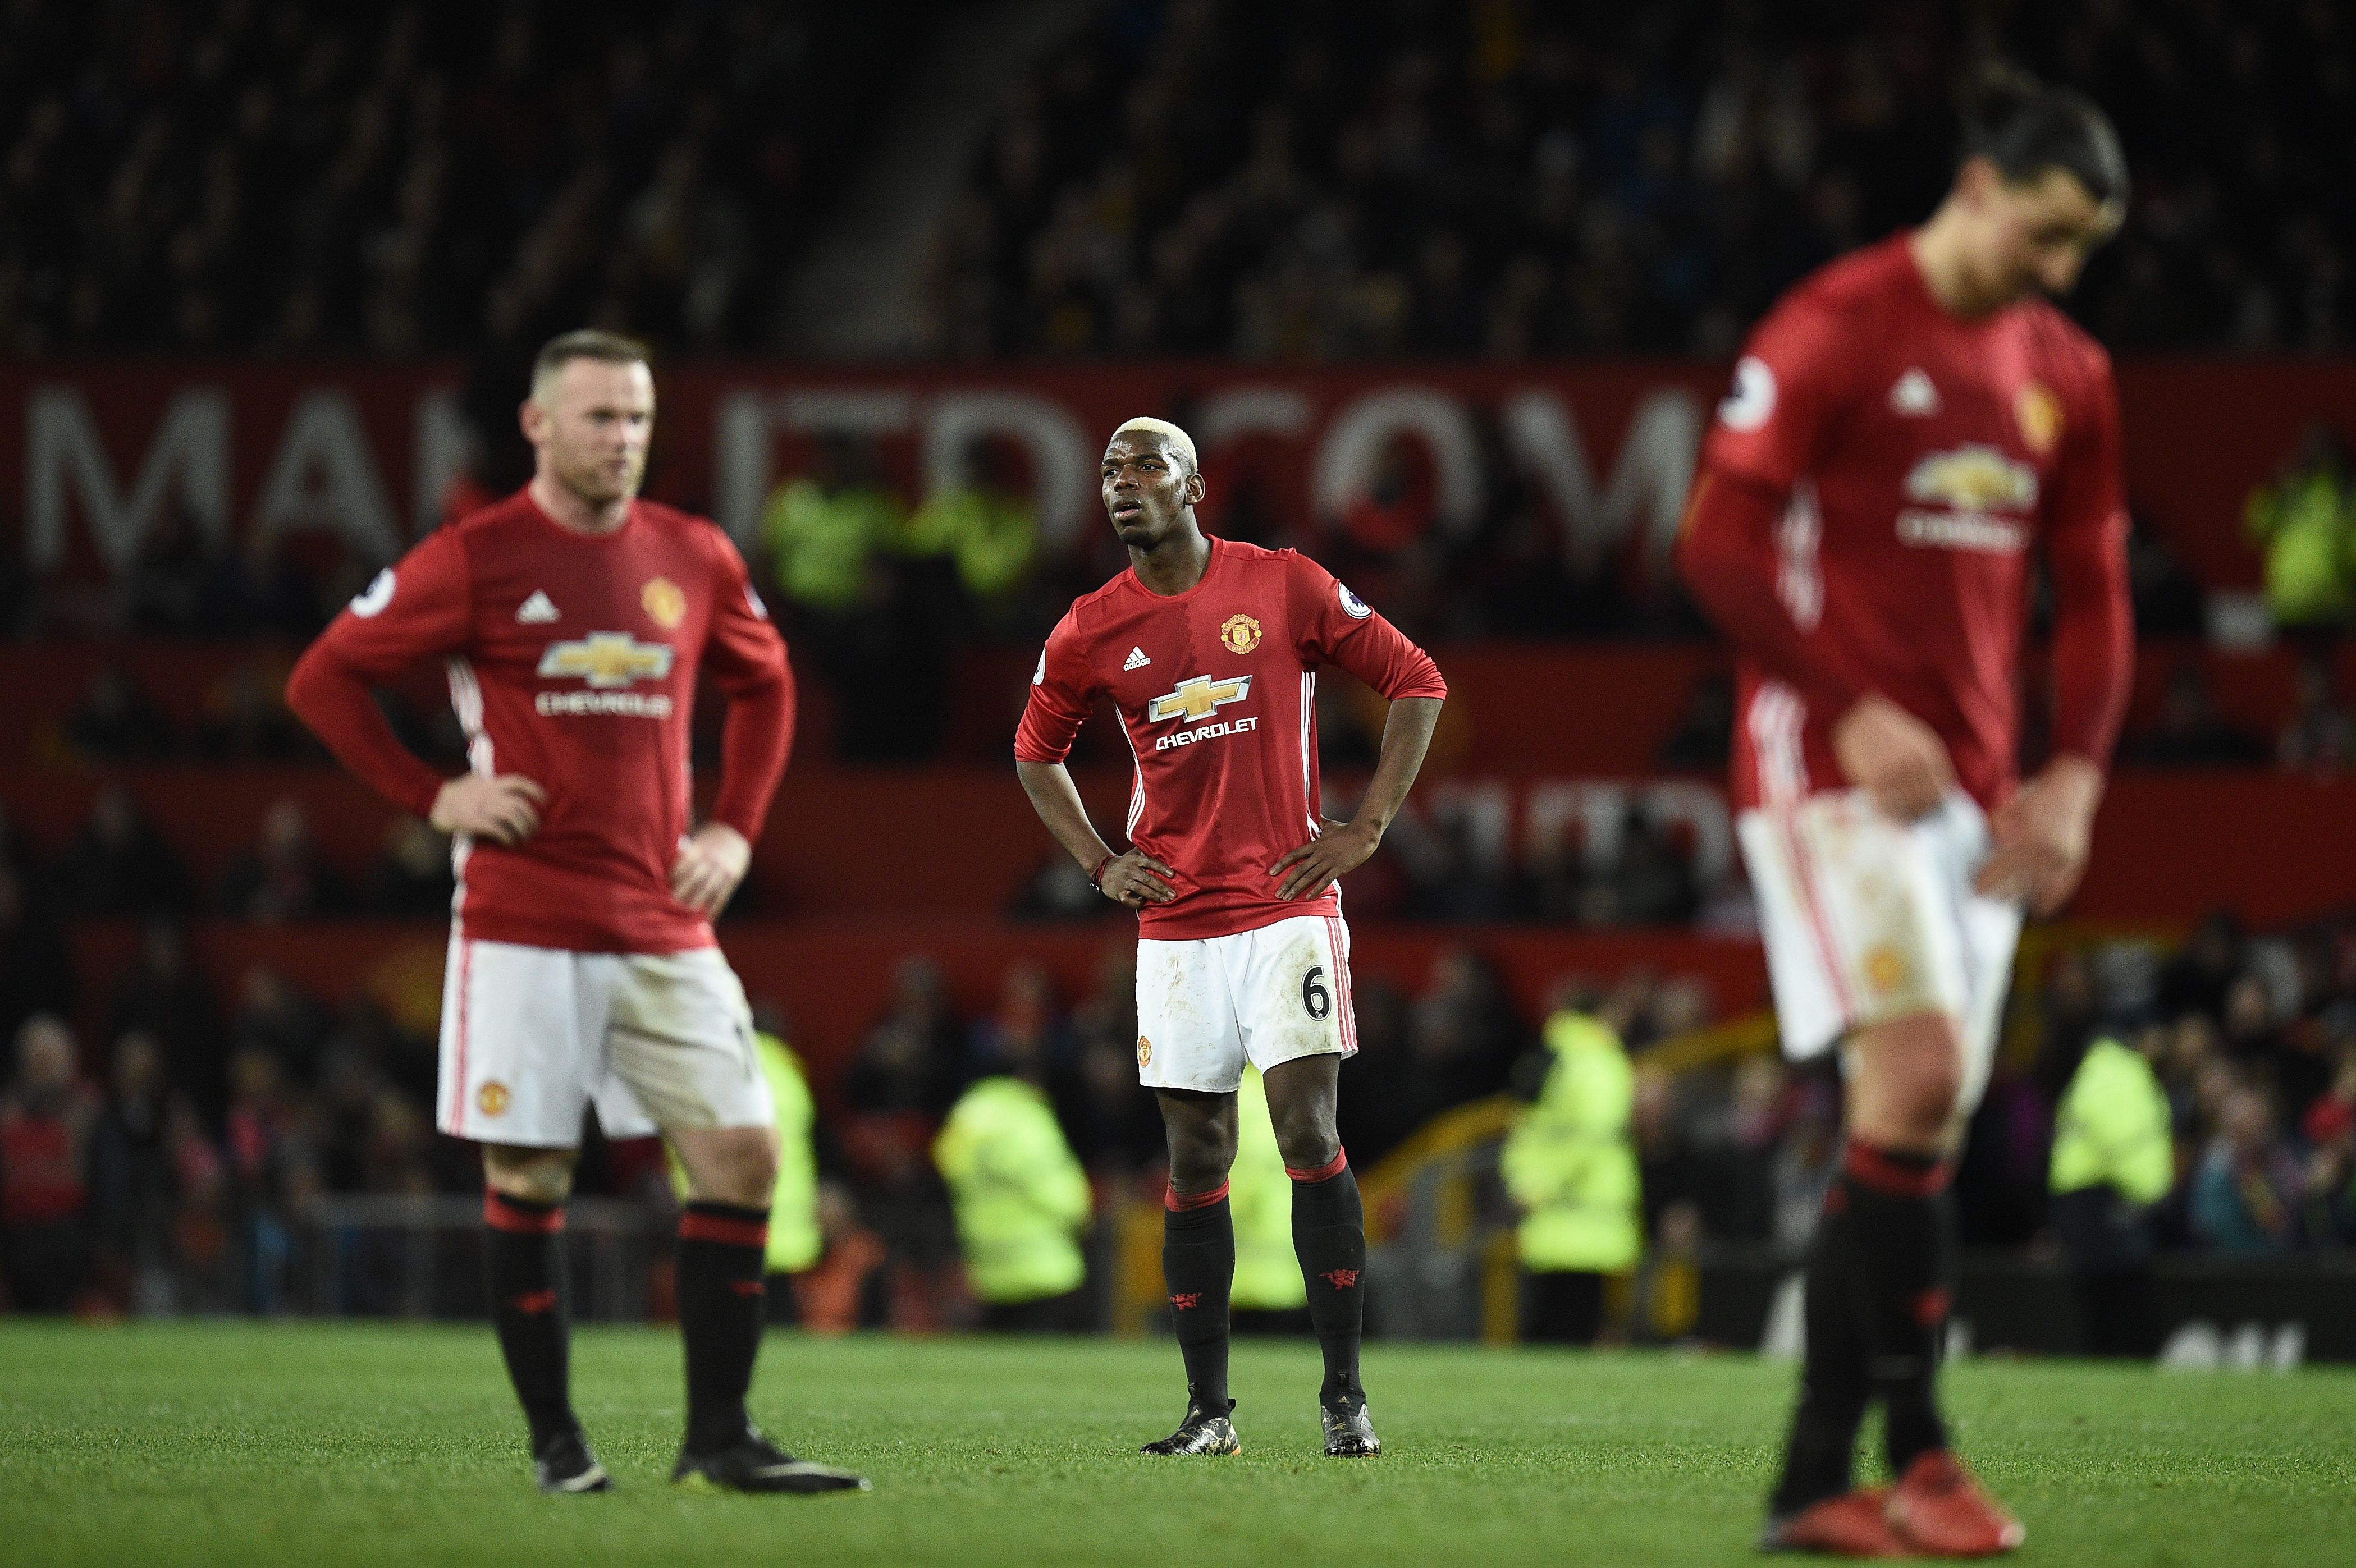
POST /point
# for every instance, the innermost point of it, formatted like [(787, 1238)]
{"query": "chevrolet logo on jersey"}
[(607, 660), (1198, 697), (1974, 478)]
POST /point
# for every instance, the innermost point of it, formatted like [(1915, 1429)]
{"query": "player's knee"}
[(1307, 1138), (1910, 1081), (1200, 1155), (534, 1175)]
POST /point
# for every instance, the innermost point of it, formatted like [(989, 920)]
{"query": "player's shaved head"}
[(589, 343), (1177, 441)]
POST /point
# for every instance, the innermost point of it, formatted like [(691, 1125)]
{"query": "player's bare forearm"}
[(1057, 800), (1133, 879), (1315, 865)]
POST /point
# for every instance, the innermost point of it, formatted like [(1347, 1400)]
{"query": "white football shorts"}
[(1206, 1006), (531, 1035), (1868, 920)]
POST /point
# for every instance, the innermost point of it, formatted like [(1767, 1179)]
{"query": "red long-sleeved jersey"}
[(572, 660), (1217, 692), (1868, 501)]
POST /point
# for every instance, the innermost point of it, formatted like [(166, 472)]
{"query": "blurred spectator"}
[(2245, 1196), (2320, 737), (903, 1079), (823, 529), (134, 1184), (1021, 1198), (2194, 980), (1699, 743), (46, 1119), (2189, 731), (36, 969), (114, 722), (2112, 1160), (1571, 1171), (2306, 520), (981, 523), (119, 866), (1025, 1027), (164, 997), (1112, 1120), (278, 1019), (411, 875), (283, 877), (245, 720), (1462, 1036)]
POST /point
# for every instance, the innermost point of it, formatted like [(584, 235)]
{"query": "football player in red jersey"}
[(1907, 427), (1210, 649), (574, 617)]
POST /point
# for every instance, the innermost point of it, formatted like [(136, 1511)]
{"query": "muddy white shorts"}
[(531, 1035), (1868, 920), (1206, 1006)]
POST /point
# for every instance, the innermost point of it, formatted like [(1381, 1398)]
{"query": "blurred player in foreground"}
[(573, 618), (1209, 650), (1907, 427)]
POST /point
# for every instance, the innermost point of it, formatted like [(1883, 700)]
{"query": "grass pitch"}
[(261, 1443)]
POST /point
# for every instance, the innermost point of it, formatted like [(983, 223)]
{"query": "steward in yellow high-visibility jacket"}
[(1570, 1165), (2112, 1128), (1260, 1197), (1022, 1200), (2114, 1157)]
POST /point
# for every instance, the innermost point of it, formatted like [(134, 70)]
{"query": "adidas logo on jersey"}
[(1136, 660), (1914, 394), (538, 610)]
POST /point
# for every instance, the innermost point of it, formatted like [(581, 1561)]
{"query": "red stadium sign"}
[(92, 454)]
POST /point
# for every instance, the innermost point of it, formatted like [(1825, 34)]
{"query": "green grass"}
[(297, 1443)]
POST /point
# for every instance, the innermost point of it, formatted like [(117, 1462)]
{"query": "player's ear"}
[(1194, 489), (532, 419)]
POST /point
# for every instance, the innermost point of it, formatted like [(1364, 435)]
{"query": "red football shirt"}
[(572, 660), (1217, 692), (1916, 459)]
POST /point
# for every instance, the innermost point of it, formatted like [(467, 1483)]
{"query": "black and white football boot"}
[(1349, 1435), (754, 1464), (1203, 1430), (564, 1464)]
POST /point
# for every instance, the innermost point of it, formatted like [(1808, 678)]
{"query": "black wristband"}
[(1096, 877)]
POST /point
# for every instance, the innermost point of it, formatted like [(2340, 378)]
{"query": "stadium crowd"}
[(1316, 182), (1201, 176), (178, 1177), (403, 178)]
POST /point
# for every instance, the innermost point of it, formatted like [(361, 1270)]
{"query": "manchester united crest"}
[(1144, 1052), (2039, 413), (665, 604), (1240, 634), (492, 1097)]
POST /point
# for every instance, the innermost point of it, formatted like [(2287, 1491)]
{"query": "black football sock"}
[(721, 1249), (1819, 1456), (523, 1258), (1904, 1234), (1329, 1234), (1198, 1263)]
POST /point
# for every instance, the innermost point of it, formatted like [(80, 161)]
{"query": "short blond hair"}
[(1180, 441), (589, 343)]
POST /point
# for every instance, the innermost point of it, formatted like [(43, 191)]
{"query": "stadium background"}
[(1446, 293)]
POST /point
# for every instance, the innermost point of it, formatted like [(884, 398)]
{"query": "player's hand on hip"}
[(505, 809), (1315, 865), (1894, 757), (711, 864), (2041, 836), (1137, 878)]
